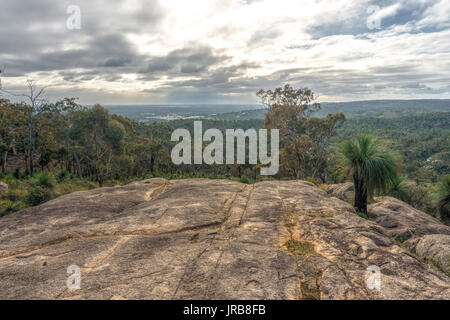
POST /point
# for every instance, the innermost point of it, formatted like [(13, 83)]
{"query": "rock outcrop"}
[(207, 239), (404, 222), (343, 191), (434, 249), (3, 188)]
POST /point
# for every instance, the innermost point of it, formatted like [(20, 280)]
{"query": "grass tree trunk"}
[(360, 195)]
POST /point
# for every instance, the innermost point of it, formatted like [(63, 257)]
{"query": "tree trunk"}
[(5, 158), (12, 146), (31, 125), (152, 163), (360, 195), (27, 170), (77, 160)]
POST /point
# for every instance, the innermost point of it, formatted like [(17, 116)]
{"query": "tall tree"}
[(12, 124), (35, 105), (320, 131), (100, 137), (304, 139), (373, 169)]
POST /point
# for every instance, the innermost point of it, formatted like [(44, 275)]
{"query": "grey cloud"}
[(115, 62), (264, 34), (34, 38), (112, 50), (193, 59), (356, 23)]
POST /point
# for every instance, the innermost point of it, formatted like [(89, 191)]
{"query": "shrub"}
[(421, 198), (244, 179), (38, 195), (17, 174), (15, 194), (442, 199), (7, 206), (44, 180), (399, 188), (62, 175), (312, 180), (148, 176), (364, 215)]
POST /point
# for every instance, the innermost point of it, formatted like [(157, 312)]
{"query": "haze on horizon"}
[(209, 51)]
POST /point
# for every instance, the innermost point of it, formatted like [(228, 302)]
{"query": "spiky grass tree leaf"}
[(374, 169)]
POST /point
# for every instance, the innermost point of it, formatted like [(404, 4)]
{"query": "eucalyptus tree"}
[(99, 137), (304, 139), (34, 105), (12, 125)]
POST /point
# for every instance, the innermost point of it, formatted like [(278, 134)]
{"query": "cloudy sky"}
[(208, 51)]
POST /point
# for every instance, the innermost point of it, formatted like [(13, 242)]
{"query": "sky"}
[(208, 51)]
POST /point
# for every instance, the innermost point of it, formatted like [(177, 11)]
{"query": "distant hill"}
[(385, 108), (354, 109), (359, 109)]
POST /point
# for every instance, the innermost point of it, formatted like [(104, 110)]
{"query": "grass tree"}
[(399, 189), (442, 195), (373, 168)]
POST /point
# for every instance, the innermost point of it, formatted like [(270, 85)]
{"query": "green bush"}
[(7, 206), (312, 180), (364, 215), (421, 198), (44, 180), (62, 175), (442, 199), (15, 194), (17, 174), (244, 179), (37, 195), (399, 188)]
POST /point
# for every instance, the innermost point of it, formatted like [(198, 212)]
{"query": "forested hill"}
[(425, 121), (422, 141), (360, 109), (385, 108)]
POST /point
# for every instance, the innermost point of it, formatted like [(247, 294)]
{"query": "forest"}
[(50, 149)]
